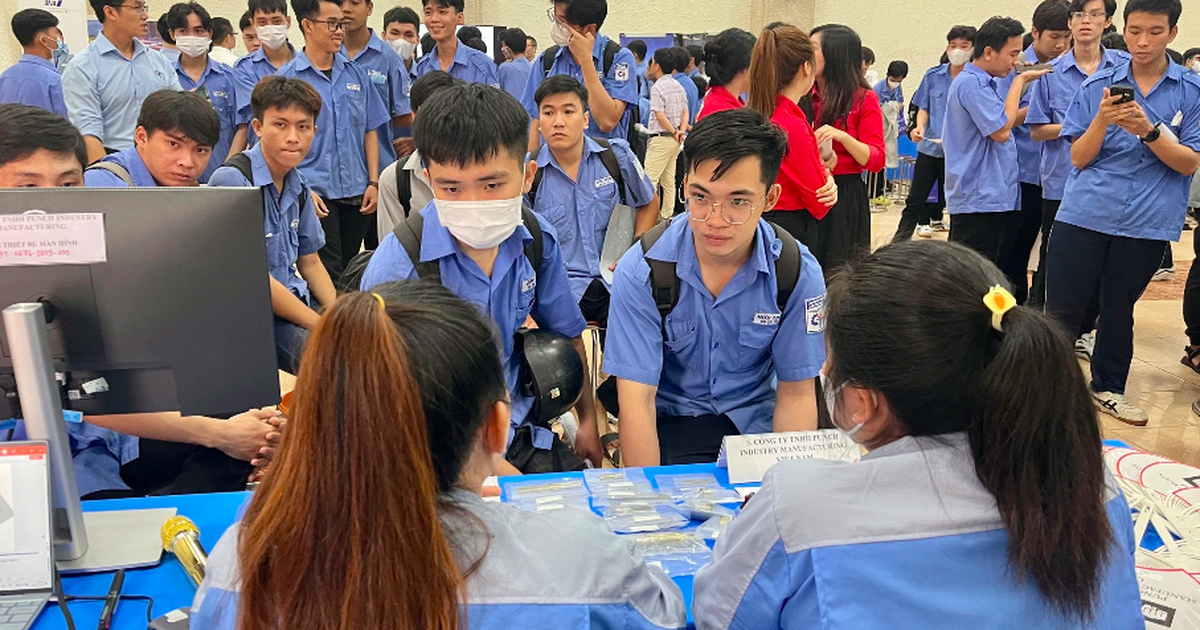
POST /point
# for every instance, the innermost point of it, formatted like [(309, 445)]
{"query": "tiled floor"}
[(1157, 382)]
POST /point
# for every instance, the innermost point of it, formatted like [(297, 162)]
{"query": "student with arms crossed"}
[(35, 80), (173, 144), (1128, 193), (285, 113), (472, 140), (983, 501), (691, 373), (442, 19)]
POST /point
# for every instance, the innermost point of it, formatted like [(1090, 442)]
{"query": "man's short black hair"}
[(467, 33), (1175, 56), (561, 84), (665, 58), (458, 5), (1191, 52), (221, 28), (98, 7), (696, 53), (995, 33), (177, 17), (471, 124), (164, 29), (187, 113), (1076, 6), (531, 39), (427, 43), (1170, 8), (732, 135), (27, 23), (24, 130), (279, 92), (429, 84), (682, 58), (584, 12), (1052, 15), (246, 21), (964, 32), (514, 38), (897, 69), (308, 9), (476, 43), (638, 48), (868, 56), (403, 15), (1114, 41), (268, 7), (1026, 41)]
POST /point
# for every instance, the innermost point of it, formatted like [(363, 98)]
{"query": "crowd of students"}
[(415, 228)]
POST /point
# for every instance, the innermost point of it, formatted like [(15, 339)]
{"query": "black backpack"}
[(241, 162), (610, 164), (637, 141), (664, 283)]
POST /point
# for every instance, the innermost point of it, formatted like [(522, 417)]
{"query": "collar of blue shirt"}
[(373, 43), (437, 242), (678, 246), (262, 173), (132, 161), (213, 66), (104, 46), (983, 76), (36, 60), (545, 157), (1123, 72), (302, 62)]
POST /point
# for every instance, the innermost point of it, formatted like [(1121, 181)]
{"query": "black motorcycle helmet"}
[(551, 372)]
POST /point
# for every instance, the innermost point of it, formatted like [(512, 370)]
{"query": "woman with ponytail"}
[(727, 61), (781, 73), (371, 516), (983, 501), (848, 117)]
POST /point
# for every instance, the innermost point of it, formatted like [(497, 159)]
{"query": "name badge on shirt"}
[(767, 319), (529, 285), (814, 315), (295, 223), (604, 181), (220, 94), (354, 87)]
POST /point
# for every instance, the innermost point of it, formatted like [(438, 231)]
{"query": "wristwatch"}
[(376, 184), (1152, 136)]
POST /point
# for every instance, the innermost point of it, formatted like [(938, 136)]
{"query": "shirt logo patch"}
[(220, 94), (604, 181), (295, 223), (354, 87), (814, 315), (528, 284), (621, 72), (767, 319)]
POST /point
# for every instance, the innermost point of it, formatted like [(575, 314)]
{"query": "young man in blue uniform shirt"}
[(706, 369), (514, 73), (34, 80), (982, 194), (577, 195), (401, 28), (580, 53), (472, 140), (639, 48), (285, 114), (172, 144), (442, 19), (682, 59), (385, 69), (1128, 193), (270, 24), (930, 168), (39, 149), (191, 26), (1049, 99), (343, 165), (105, 84)]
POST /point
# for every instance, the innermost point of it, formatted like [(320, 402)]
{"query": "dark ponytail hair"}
[(909, 322), (727, 54), (778, 55), (844, 80)]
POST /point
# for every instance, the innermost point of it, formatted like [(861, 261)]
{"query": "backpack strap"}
[(664, 284), (548, 56), (241, 162), (404, 188), (533, 188), (610, 52), (533, 251), (787, 267), (409, 232), (609, 158), (112, 167)]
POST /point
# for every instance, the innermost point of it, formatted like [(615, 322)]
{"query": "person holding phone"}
[(1127, 196)]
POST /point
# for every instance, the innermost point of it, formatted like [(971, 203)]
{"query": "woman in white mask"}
[(983, 501)]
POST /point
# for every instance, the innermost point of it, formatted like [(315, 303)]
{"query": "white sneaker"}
[(1119, 407), (924, 231), (939, 226), (1164, 275), (1084, 346)]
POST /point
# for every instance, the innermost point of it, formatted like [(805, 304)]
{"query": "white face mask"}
[(480, 224), (893, 85), (273, 36), (831, 398), (560, 34), (1195, 65), (958, 56), (192, 46), (403, 47)]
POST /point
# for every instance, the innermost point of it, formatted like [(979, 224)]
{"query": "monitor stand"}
[(97, 541)]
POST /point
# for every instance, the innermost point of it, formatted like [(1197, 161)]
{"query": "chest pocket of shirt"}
[(754, 340), (556, 214), (525, 300), (1059, 104), (681, 336), (380, 81), (355, 104)]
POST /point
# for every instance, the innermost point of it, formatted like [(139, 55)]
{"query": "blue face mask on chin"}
[(60, 55)]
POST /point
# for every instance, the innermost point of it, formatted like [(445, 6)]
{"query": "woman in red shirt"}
[(727, 61), (847, 114), (781, 72)]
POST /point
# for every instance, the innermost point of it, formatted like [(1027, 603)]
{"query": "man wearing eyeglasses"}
[(692, 372), (105, 84), (343, 165)]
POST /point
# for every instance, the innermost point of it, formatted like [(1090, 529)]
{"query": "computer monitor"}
[(26, 555), (179, 316)]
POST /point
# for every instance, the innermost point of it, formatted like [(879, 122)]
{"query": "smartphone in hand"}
[(1124, 91)]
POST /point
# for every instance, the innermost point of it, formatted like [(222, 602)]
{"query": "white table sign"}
[(37, 238), (749, 456)]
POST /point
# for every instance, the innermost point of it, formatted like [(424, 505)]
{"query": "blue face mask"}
[(60, 55)]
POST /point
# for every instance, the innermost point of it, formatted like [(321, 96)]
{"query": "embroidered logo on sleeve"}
[(621, 72), (767, 319), (814, 315)]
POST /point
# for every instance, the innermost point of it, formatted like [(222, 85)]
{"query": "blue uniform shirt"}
[(1127, 190), (33, 81), (981, 174), (290, 222), (132, 161), (514, 291), (931, 97), (469, 65), (718, 356), (248, 71), (218, 81), (1029, 155), (580, 209), (887, 95), (643, 82), (1049, 99), (104, 91), (693, 95), (620, 82), (514, 75), (336, 165), (387, 73)]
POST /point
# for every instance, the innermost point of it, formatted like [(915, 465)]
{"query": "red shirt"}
[(865, 124), (802, 172), (718, 99)]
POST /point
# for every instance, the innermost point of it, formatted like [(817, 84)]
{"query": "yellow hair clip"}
[(378, 297), (999, 301)]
